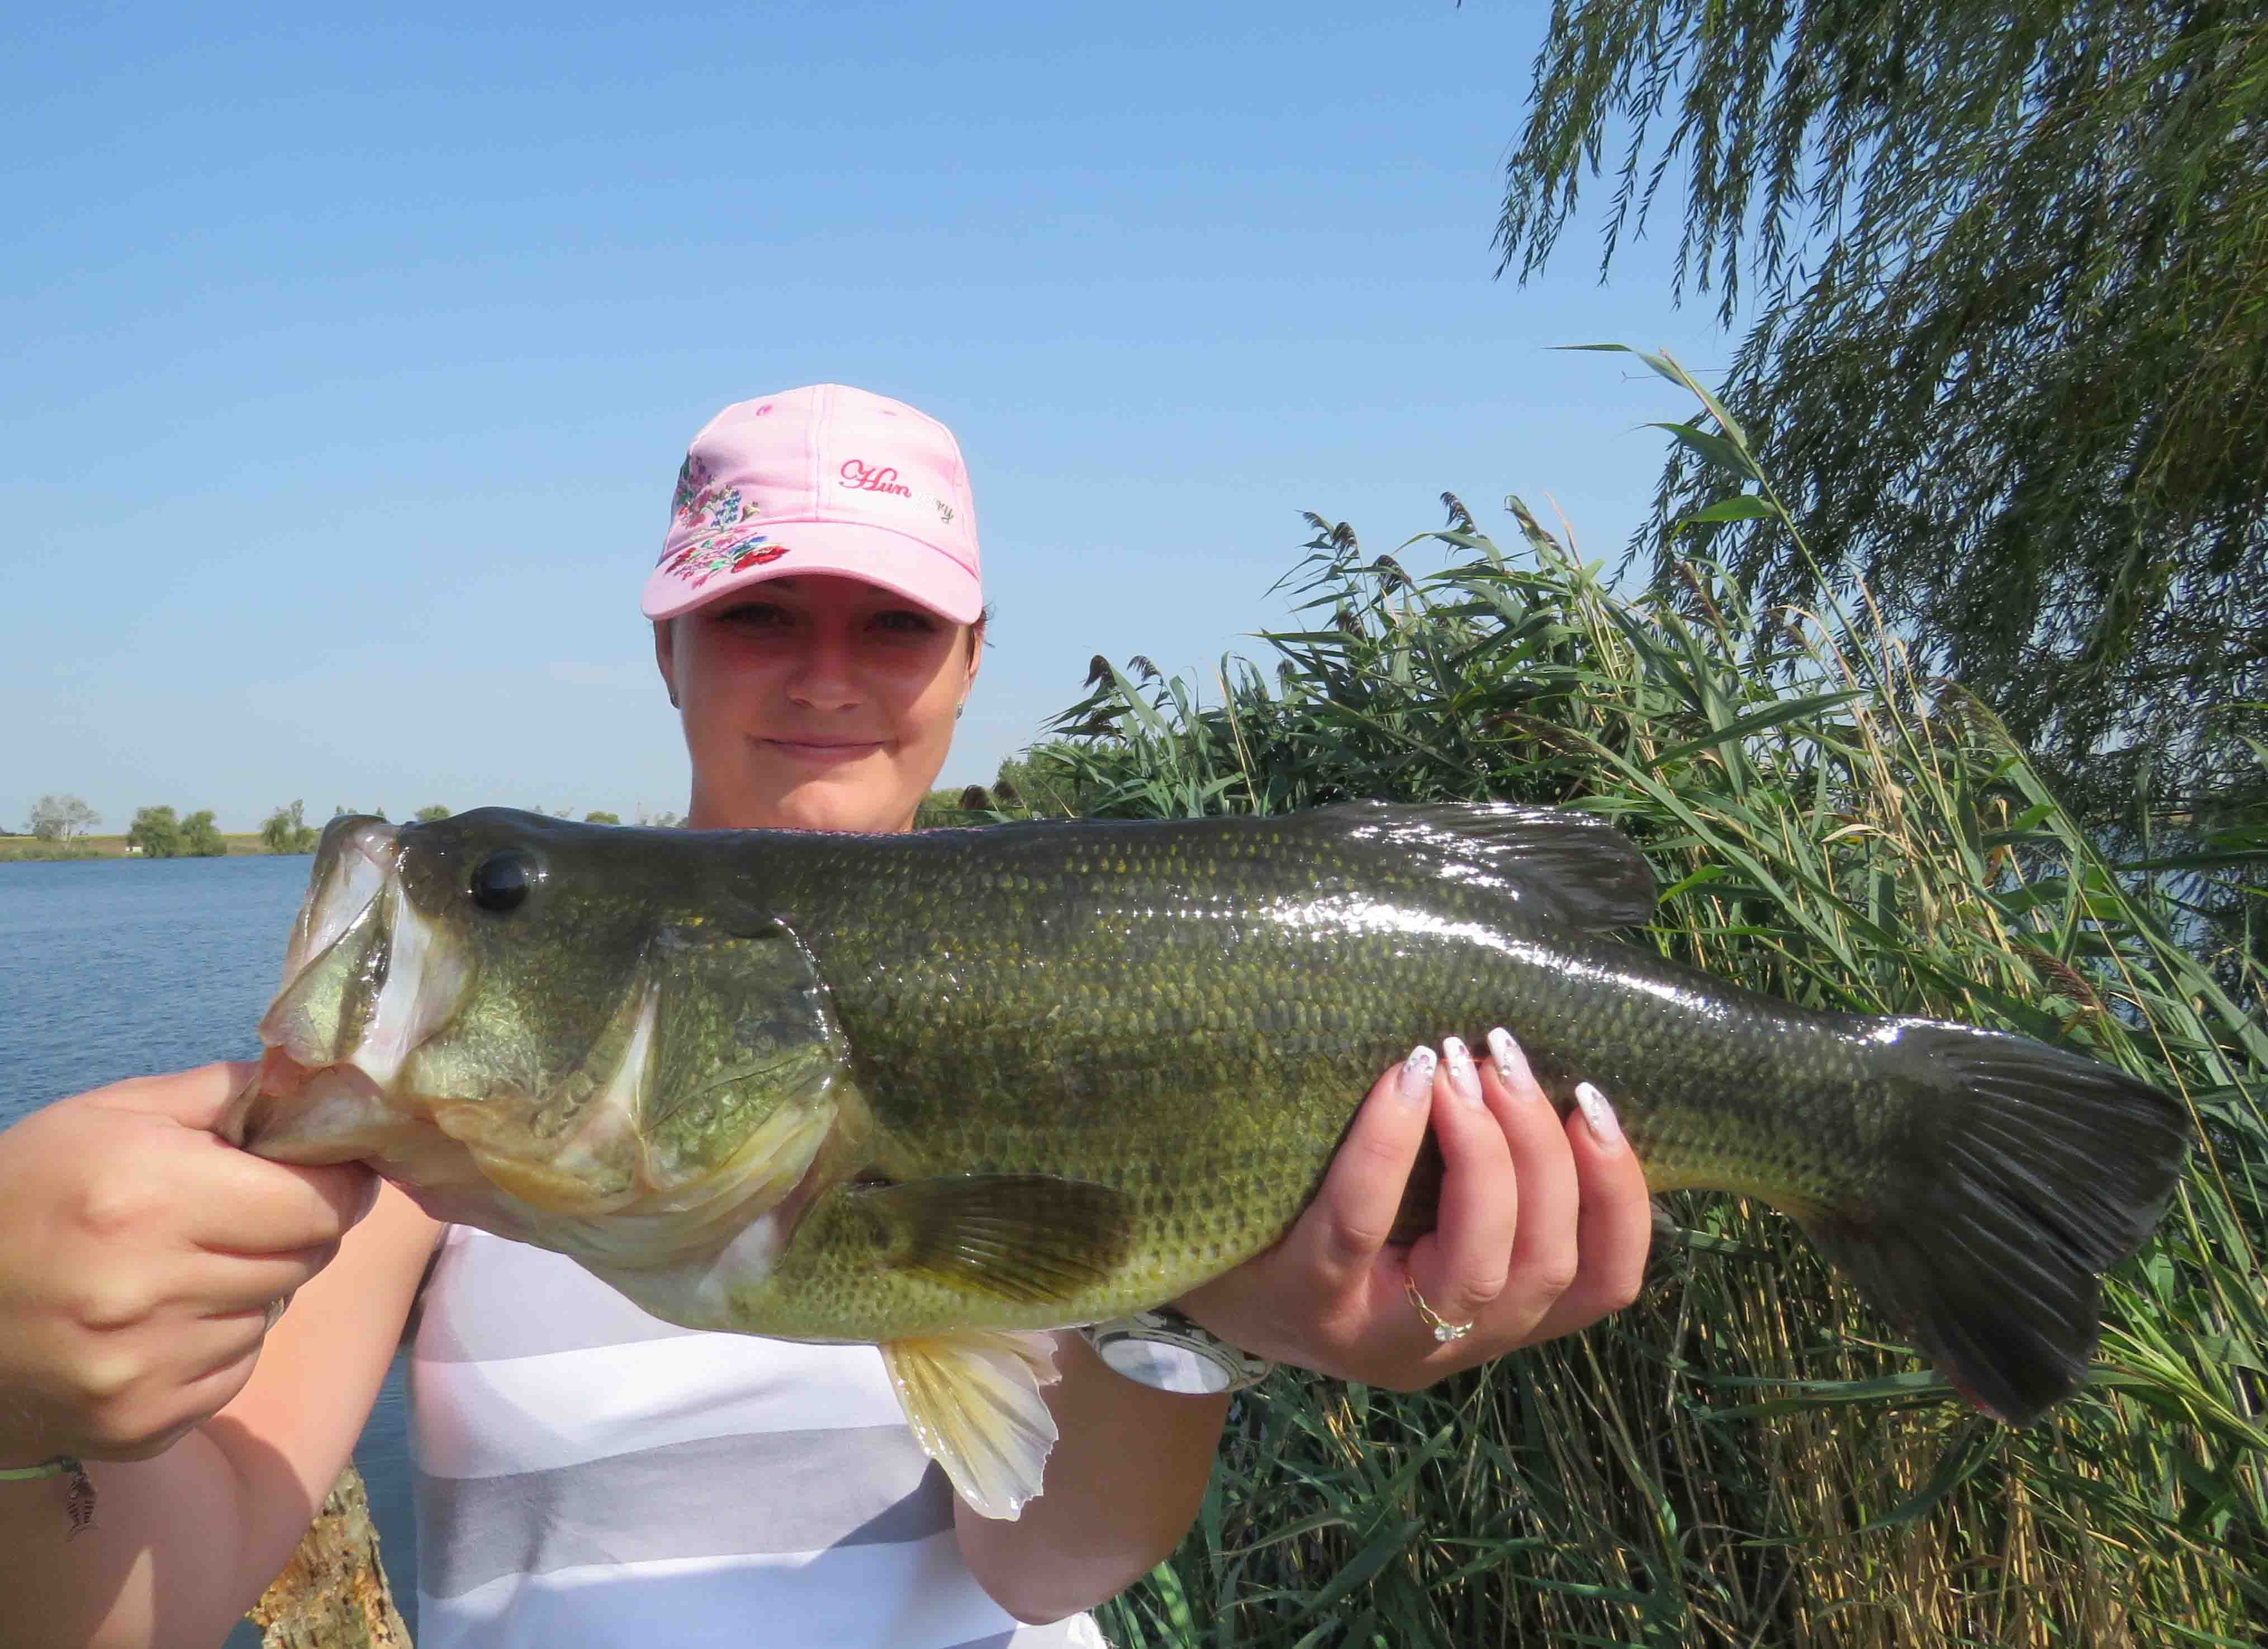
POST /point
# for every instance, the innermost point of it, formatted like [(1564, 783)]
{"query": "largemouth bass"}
[(934, 1090)]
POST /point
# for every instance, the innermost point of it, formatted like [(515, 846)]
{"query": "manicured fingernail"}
[(1510, 1063), (1464, 1081), (1599, 1114), (1418, 1077)]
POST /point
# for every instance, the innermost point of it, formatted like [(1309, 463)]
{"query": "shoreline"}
[(24, 849)]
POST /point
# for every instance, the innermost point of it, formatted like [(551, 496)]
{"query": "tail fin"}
[(2026, 1174)]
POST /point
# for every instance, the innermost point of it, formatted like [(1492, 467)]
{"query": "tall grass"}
[(1745, 1457)]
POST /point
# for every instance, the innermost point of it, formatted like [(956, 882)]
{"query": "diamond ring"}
[(1443, 1330)]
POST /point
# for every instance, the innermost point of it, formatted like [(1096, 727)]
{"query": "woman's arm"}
[(1543, 1228), (1124, 1482), (138, 1253)]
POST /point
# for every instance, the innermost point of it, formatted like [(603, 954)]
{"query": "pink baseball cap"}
[(824, 479)]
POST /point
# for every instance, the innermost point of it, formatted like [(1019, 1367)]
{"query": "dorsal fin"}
[(1567, 866)]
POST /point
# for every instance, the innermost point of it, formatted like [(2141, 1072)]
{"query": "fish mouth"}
[(367, 977), (367, 980), (352, 866)]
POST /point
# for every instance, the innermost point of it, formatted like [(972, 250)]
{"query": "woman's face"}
[(815, 703)]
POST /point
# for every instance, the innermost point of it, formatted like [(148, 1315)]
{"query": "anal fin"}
[(973, 1399)]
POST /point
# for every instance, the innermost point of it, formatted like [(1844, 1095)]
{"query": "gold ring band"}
[(1444, 1330)]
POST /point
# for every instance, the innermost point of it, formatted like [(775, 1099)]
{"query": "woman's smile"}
[(822, 751)]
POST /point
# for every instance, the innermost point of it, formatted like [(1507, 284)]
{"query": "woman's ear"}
[(975, 658), (665, 655)]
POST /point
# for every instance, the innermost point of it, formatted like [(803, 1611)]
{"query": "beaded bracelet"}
[(81, 1503)]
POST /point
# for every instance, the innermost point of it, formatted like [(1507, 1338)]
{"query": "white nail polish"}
[(1510, 1063), (1418, 1076), (1599, 1114), (1464, 1081)]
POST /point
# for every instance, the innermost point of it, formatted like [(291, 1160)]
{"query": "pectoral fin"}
[(974, 1403), (1011, 1236)]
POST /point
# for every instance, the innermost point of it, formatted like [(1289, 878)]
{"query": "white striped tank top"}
[(590, 1476)]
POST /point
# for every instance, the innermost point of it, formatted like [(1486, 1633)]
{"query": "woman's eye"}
[(753, 615), (905, 621)]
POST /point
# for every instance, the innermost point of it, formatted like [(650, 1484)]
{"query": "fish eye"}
[(502, 882)]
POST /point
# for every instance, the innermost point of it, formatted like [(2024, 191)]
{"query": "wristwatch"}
[(1165, 1351)]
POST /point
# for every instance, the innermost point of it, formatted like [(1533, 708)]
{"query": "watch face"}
[(1165, 1365)]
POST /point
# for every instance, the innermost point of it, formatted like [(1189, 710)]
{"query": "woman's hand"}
[(1543, 1229), (142, 1261)]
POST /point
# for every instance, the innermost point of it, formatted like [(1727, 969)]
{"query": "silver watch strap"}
[(1163, 1349)]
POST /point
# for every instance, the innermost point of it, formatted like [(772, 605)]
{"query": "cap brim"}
[(923, 575)]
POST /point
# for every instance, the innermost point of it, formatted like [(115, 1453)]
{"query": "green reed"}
[(1747, 1456)]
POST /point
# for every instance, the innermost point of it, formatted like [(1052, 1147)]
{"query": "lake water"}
[(121, 967)]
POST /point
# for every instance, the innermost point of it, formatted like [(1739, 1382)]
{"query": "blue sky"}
[(349, 363)]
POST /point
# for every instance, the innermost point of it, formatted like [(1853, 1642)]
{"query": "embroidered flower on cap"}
[(703, 500), (705, 558), (723, 523), (692, 478)]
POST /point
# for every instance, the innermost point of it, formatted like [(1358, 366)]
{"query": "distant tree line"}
[(60, 818), (164, 833), (159, 833), (286, 831)]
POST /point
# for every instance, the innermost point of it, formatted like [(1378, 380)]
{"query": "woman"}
[(587, 1474)]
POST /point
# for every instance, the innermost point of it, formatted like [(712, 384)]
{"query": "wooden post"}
[(332, 1593)]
